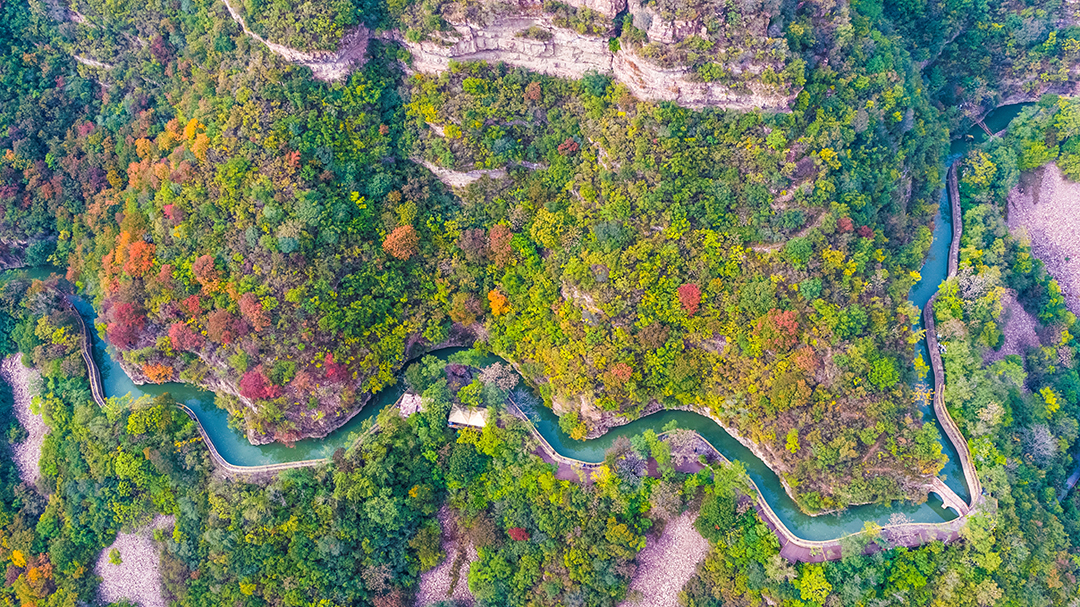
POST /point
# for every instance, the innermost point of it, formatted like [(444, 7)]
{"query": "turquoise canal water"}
[(995, 121), (234, 447), (933, 272)]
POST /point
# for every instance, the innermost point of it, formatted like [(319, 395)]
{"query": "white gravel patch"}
[(1046, 207), (137, 578), (435, 583), (667, 564), (24, 383), (1019, 329)]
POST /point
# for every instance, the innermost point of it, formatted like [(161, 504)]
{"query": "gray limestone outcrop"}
[(651, 82), (567, 54), (511, 38), (608, 8)]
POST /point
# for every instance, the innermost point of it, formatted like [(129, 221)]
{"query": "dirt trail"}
[(324, 65), (769, 248)]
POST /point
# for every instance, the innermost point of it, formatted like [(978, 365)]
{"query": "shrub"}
[(716, 516), (883, 373)]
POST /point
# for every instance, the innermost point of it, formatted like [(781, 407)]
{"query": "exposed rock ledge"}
[(571, 55), (566, 55), (92, 63), (458, 179)]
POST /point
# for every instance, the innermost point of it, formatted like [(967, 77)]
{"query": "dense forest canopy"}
[(288, 242), (245, 227)]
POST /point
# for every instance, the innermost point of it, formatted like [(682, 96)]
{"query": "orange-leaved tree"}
[(402, 243), (499, 303)]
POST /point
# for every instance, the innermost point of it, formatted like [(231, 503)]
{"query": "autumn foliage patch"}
[(254, 384)]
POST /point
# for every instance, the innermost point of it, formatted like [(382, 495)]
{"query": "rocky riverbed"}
[(667, 563), (137, 578), (23, 384), (1045, 208), (435, 584)]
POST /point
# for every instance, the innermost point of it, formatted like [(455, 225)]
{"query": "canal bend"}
[(793, 546)]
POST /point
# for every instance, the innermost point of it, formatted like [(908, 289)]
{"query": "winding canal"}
[(233, 447)]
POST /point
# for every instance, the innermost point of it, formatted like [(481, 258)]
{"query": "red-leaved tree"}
[(140, 258), (204, 270), (254, 384), (690, 297), (253, 311), (499, 244), (219, 326), (518, 534), (621, 372), (474, 243), (778, 329), (806, 360), (335, 372), (165, 275), (184, 338), (568, 147), (173, 213), (125, 323), (192, 304)]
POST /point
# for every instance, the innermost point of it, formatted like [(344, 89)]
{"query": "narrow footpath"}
[(88, 355)]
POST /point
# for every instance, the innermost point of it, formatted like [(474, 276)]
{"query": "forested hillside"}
[(1018, 410), (244, 227), (271, 237), (292, 243)]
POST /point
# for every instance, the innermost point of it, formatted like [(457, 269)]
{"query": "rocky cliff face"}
[(652, 83), (567, 54), (664, 31), (12, 255), (512, 38), (608, 8)]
